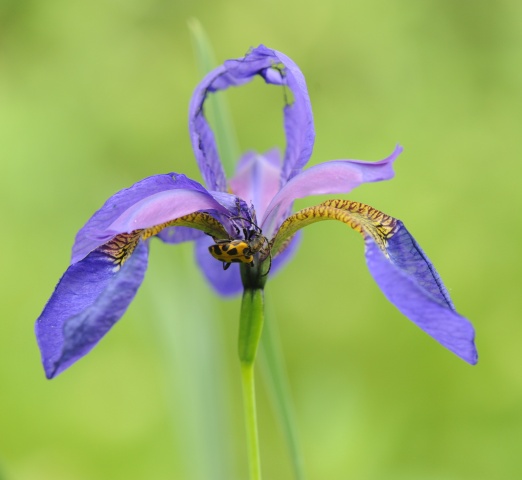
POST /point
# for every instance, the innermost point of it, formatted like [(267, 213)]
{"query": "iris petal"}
[(399, 266), (162, 208), (152, 201), (276, 68), (337, 176), (204, 145), (298, 118), (89, 299), (258, 179), (409, 281)]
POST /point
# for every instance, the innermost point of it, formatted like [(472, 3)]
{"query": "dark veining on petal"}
[(120, 248), (372, 221), (362, 218)]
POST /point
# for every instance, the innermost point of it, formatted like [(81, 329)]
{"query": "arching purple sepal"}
[(409, 280), (89, 299), (150, 202)]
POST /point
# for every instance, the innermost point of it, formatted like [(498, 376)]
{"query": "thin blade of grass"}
[(275, 376), (217, 111)]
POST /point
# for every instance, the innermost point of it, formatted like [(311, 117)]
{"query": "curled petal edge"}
[(275, 68)]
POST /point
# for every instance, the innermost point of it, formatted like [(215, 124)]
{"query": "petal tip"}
[(50, 373), (472, 358)]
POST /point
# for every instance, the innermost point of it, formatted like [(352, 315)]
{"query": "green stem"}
[(250, 328), (249, 400), (250, 324)]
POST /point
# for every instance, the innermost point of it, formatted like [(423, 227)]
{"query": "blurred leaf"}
[(276, 379), (218, 112), (196, 366)]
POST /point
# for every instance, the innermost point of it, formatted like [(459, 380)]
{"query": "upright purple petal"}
[(150, 202), (299, 121), (336, 176), (275, 68), (258, 179), (409, 280), (204, 143), (89, 299)]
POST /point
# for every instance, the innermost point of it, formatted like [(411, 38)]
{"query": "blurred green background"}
[(94, 96)]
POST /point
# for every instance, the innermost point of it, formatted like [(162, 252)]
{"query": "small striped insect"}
[(231, 251)]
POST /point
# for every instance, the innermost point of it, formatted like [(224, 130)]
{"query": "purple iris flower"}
[(254, 209)]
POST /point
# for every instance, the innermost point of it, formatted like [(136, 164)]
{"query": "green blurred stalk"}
[(196, 370), (275, 376), (217, 111)]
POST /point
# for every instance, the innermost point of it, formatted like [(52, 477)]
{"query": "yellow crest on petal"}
[(361, 217), (120, 247)]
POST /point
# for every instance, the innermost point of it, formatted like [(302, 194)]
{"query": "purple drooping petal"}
[(225, 282), (152, 201), (88, 300), (276, 68), (407, 255), (336, 176), (409, 281), (257, 179)]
